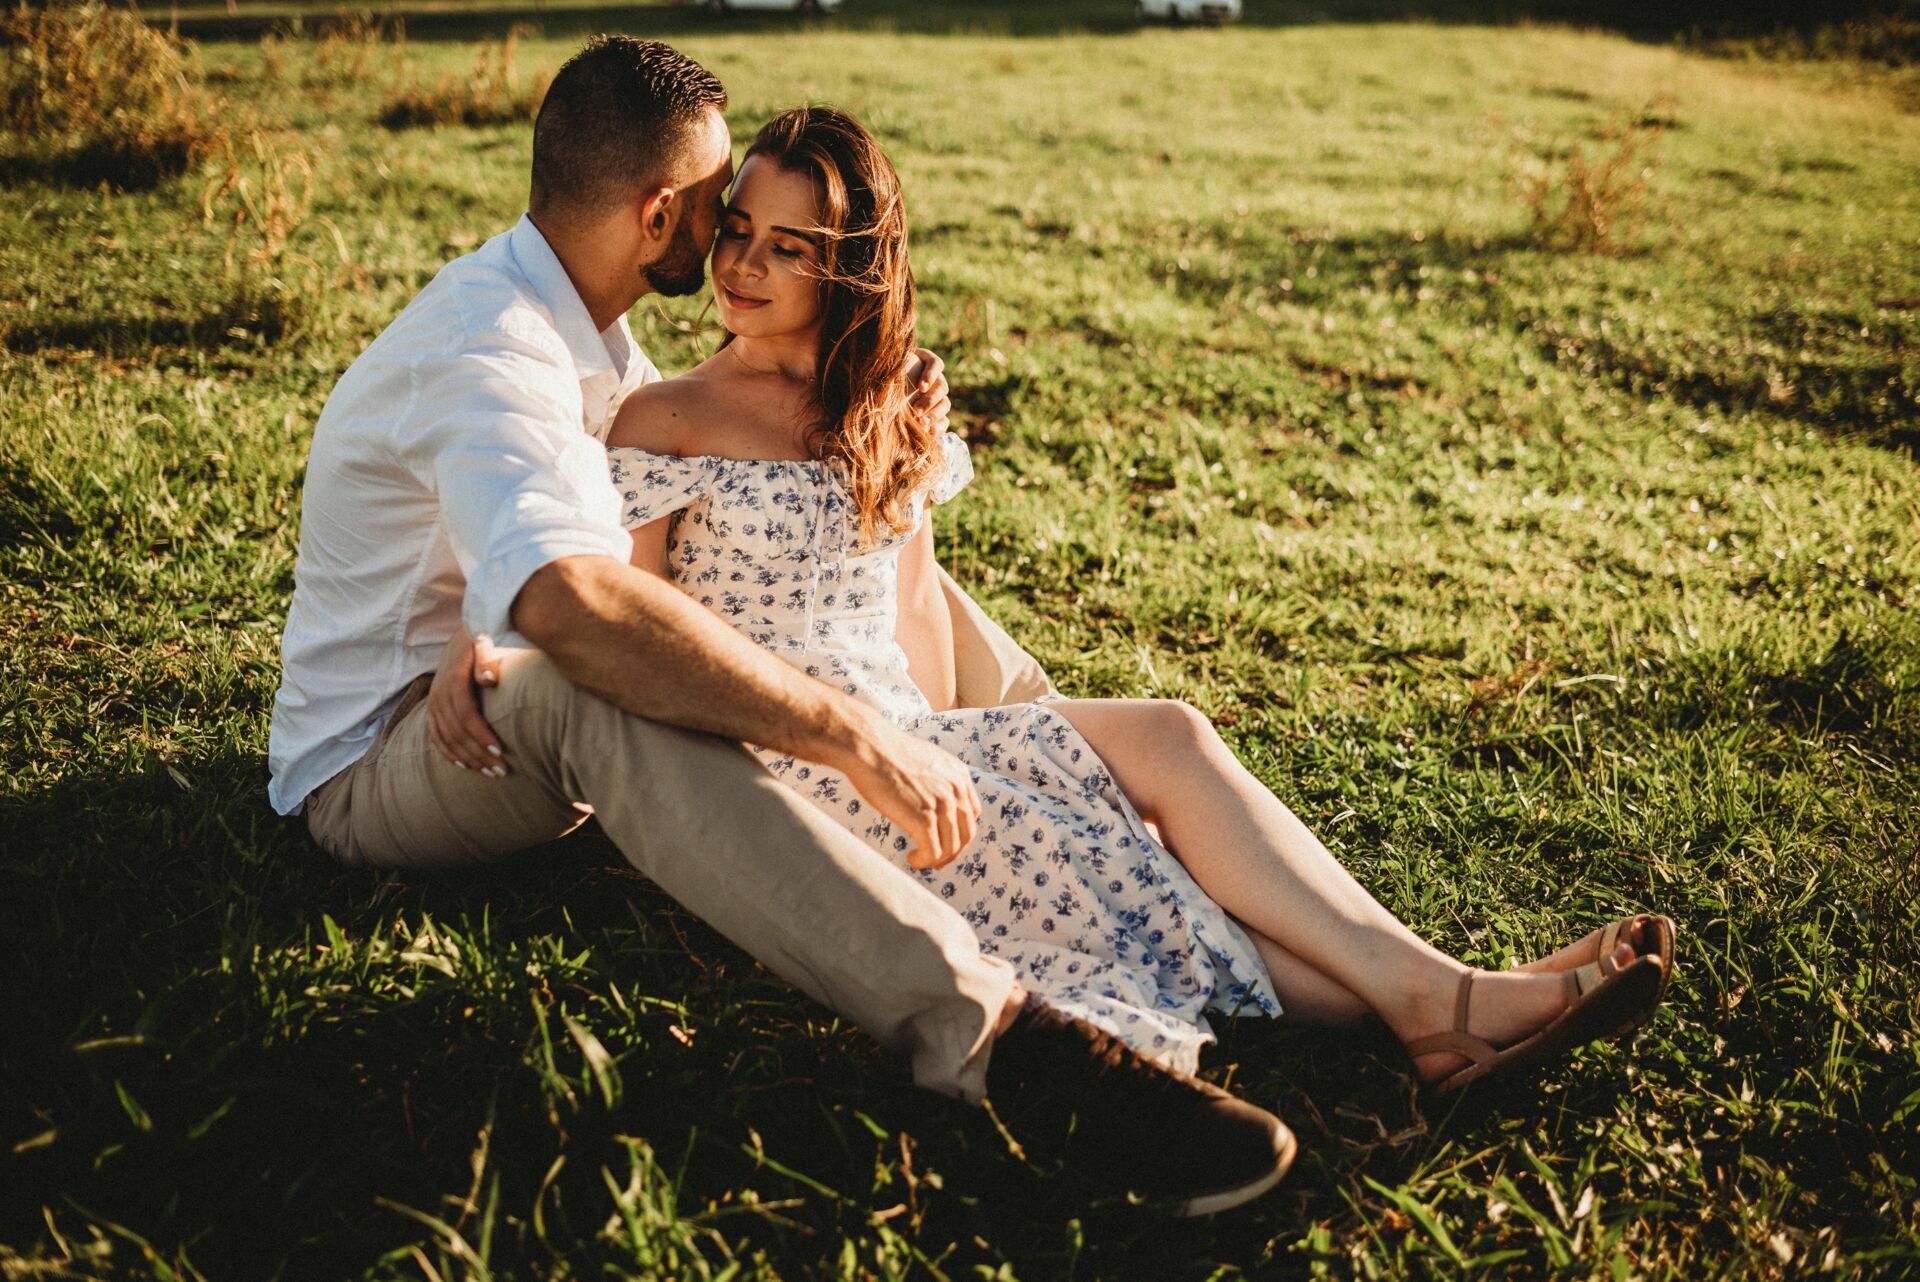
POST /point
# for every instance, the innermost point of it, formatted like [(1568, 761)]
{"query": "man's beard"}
[(682, 270)]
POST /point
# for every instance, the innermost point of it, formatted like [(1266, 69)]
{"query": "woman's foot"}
[(1507, 1007), (1644, 934)]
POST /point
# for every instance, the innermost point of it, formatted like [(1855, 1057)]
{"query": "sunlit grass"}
[(1544, 585)]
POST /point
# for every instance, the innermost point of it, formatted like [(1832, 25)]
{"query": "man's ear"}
[(658, 211)]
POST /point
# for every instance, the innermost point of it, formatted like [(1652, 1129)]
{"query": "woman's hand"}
[(454, 725), (928, 401)]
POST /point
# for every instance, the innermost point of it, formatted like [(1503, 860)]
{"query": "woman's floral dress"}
[(1062, 878)]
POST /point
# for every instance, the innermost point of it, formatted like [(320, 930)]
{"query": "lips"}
[(746, 301)]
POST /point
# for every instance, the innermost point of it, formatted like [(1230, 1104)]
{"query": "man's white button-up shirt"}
[(459, 454)]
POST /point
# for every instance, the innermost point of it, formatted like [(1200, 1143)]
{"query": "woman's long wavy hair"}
[(867, 313)]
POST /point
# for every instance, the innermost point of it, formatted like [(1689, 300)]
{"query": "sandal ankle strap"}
[(1457, 1040)]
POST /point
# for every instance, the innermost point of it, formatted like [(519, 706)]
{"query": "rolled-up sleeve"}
[(520, 482)]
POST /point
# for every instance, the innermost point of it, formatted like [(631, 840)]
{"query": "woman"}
[(782, 484)]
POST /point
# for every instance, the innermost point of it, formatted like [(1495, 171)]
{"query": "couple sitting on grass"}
[(1038, 900)]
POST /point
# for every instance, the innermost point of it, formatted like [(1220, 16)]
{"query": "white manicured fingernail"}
[(461, 764), (494, 748)]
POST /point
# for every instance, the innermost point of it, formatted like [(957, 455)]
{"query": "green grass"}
[(1544, 586)]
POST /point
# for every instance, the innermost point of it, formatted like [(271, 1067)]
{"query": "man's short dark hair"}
[(617, 119)]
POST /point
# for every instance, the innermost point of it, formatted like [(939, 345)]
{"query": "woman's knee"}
[(1177, 722), (1154, 731)]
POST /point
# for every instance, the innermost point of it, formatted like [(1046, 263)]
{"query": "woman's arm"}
[(922, 627), (650, 546)]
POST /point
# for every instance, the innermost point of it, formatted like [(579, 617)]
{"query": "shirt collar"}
[(586, 345)]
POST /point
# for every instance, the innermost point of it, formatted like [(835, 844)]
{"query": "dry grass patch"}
[(352, 51), (279, 283), (347, 47), (1590, 200), (492, 93), (95, 95)]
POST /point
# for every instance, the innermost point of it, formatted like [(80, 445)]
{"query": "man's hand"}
[(592, 615), (924, 790), (454, 725), (929, 401)]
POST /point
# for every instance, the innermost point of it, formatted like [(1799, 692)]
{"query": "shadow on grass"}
[(188, 1058), (122, 168), (1808, 370), (143, 336), (1844, 396), (27, 510), (192, 1057), (981, 407), (1848, 690)]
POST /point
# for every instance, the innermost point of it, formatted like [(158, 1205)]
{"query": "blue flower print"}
[(1062, 879)]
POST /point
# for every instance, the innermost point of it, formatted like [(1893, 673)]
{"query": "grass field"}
[(1544, 583)]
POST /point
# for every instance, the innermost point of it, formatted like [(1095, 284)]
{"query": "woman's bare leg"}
[(1307, 995), (1248, 850)]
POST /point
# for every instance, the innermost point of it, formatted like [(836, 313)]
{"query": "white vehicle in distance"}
[(1216, 11), (751, 6)]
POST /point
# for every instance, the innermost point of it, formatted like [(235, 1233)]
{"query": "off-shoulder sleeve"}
[(959, 468), (652, 485)]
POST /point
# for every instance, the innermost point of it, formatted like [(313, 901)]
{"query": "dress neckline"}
[(728, 458)]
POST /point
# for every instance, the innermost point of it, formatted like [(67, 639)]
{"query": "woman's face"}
[(765, 259)]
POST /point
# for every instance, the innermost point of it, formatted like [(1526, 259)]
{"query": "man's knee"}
[(529, 677), (529, 680), (538, 707), (535, 706)]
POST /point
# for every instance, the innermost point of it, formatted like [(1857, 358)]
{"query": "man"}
[(457, 475)]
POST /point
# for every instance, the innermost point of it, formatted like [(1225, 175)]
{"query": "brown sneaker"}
[(1059, 1082)]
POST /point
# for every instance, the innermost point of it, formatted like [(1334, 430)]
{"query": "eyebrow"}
[(734, 211)]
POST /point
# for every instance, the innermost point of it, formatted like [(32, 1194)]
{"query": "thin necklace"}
[(748, 365)]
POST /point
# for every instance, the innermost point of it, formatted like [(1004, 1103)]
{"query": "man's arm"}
[(641, 643), (533, 519), (646, 647)]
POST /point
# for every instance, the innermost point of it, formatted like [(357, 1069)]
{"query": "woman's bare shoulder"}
[(666, 417)]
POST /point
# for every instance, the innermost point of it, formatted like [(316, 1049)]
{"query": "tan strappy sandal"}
[(1658, 936), (1601, 1005)]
